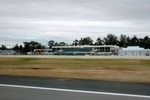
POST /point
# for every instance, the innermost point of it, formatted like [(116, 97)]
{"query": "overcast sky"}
[(66, 20)]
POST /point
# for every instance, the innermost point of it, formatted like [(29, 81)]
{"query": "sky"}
[(67, 20)]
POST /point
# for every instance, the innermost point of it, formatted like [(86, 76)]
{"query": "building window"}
[(101, 49), (107, 49)]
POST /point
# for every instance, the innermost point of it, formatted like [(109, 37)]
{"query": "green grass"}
[(23, 60)]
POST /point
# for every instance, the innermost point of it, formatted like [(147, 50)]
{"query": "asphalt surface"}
[(100, 86), (7, 93), (13, 93)]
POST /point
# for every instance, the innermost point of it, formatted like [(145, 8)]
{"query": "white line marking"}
[(77, 91)]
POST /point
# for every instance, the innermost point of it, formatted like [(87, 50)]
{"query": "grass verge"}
[(119, 70)]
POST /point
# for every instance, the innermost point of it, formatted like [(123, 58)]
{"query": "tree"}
[(3, 47), (111, 39), (146, 38), (56, 44), (98, 41), (75, 42), (38, 46), (26, 47), (146, 42), (134, 41), (30, 46), (128, 41), (81, 41), (123, 41), (51, 43), (141, 42), (62, 44), (16, 48), (86, 41), (21, 49)]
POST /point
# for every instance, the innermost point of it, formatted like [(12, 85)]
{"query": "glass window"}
[(101, 49), (107, 49)]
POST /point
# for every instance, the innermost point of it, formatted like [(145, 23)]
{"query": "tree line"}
[(110, 39)]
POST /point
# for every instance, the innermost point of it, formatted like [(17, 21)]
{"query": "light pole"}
[(5, 44)]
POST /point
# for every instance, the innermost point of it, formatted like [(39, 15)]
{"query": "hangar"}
[(134, 51)]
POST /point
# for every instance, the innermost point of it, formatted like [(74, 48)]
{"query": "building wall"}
[(7, 52), (134, 52)]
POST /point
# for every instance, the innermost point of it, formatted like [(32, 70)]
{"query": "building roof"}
[(133, 48), (84, 46)]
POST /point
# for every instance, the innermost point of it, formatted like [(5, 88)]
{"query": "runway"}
[(17, 92), (15, 88)]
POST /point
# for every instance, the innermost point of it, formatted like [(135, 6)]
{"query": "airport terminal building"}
[(85, 50)]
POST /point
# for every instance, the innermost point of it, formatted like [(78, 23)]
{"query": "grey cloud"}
[(37, 19), (77, 9)]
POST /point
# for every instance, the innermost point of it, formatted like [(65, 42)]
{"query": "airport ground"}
[(100, 68)]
